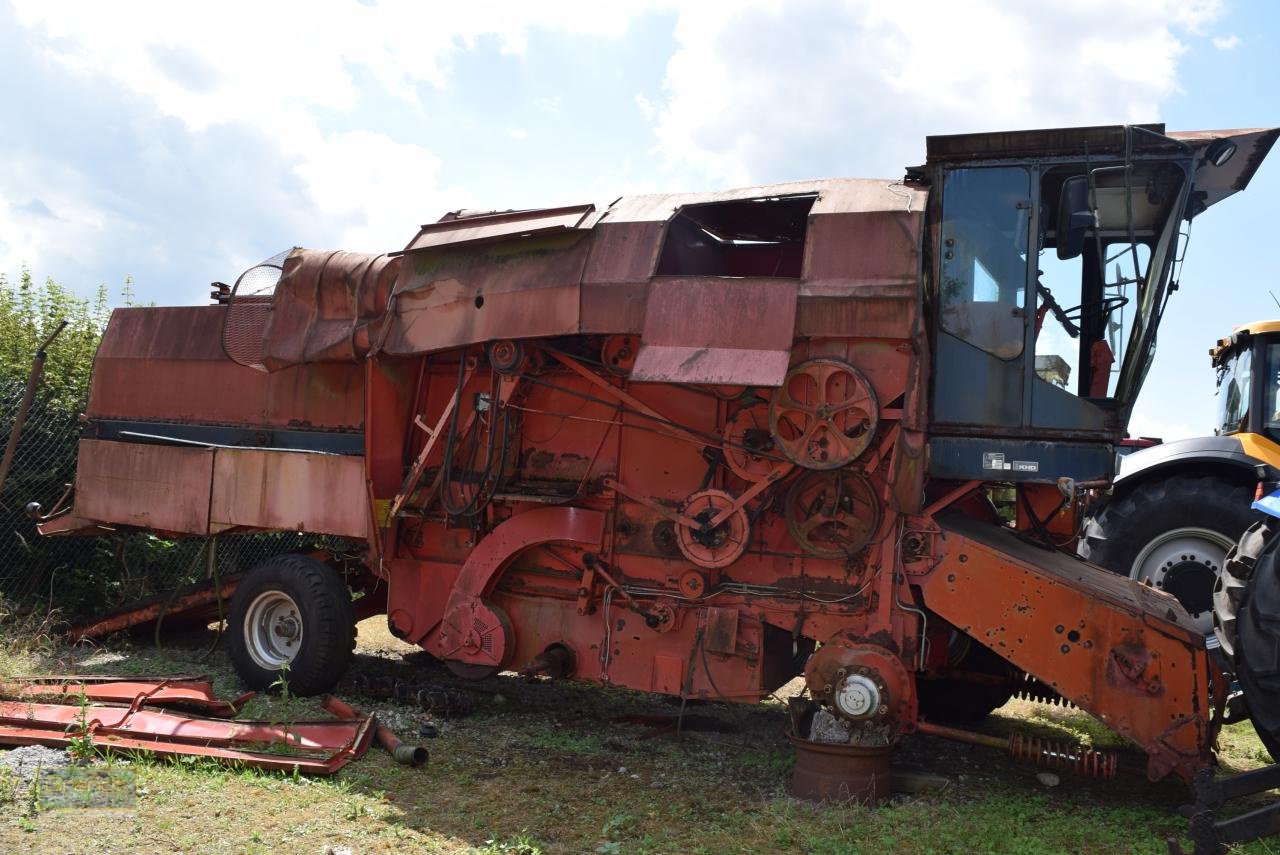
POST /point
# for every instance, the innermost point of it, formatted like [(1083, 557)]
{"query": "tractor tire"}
[(291, 618), (1247, 622), (1174, 534)]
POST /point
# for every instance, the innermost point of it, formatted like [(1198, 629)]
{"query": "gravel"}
[(22, 762)]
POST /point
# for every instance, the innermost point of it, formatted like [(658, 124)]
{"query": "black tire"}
[(945, 700), (950, 700), (1247, 622), (1137, 520), (320, 610)]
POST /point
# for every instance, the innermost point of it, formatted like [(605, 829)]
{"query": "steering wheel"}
[(1108, 305)]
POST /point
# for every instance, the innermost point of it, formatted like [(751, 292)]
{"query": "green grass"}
[(545, 771)]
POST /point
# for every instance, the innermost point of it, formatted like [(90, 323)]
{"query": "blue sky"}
[(179, 144)]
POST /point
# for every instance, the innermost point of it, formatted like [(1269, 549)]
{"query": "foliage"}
[(45, 460), (28, 314)]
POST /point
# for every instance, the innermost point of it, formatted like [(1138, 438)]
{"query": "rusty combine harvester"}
[(698, 444)]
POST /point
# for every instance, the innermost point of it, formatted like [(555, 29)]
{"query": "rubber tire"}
[(1247, 618), (945, 700), (1116, 537), (328, 623), (948, 700)]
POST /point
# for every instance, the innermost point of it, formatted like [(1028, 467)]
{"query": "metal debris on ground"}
[(312, 747), (433, 698), (192, 692)]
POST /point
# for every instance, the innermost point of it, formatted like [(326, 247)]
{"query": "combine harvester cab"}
[(682, 443)]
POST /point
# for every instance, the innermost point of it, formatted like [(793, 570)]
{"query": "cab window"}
[(985, 226)]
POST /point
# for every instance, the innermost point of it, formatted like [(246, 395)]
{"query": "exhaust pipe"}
[(401, 752)]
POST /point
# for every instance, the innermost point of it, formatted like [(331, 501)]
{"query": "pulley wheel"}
[(824, 415), (618, 354), (832, 514), (749, 449), (507, 356), (718, 546)]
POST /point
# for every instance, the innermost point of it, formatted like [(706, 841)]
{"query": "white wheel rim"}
[(272, 630), (1183, 561)]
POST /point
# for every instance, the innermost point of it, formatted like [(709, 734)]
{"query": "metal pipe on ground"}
[(402, 753)]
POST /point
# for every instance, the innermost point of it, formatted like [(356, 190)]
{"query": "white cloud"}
[(778, 91), (1142, 423), (1230, 42), (276, 66), (756, 90)]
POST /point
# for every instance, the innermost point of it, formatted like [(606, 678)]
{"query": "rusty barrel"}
[(840, 773)]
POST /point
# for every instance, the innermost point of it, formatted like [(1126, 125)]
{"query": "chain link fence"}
[(83, 577)]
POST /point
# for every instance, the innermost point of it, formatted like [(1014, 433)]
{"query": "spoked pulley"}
[(824, 415)]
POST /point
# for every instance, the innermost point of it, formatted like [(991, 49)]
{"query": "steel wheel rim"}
[(1189, 551), (272, 630)]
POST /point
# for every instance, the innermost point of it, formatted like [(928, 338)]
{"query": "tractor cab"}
[(1248, 368), (1053, 255)]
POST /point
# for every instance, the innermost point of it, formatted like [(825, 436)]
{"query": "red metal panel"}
[(748, 343), (291, 490), (167, 364), (160, 487), (517, 289), (315, 747), (876, 254), (453, 230), (624, 251), (327, 307)]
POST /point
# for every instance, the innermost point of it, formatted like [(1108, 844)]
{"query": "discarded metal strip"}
[(186, 691), (313, 747), (204, 595)]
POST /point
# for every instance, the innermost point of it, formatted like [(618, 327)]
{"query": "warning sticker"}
[(993, 460)]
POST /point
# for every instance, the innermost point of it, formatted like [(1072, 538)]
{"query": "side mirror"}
[(1075, 217)]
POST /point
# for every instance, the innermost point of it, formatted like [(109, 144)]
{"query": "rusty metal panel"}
[(668, 674), (1123, 652), (289, 490), (722, 630), (517, 289), (870, 317), (454, 230), (624, 251), (327, 307), (877, 254), (748, 343), (160, 487), (167, 364)]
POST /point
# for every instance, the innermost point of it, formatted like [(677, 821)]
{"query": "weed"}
[(80, 744), (521, 844)]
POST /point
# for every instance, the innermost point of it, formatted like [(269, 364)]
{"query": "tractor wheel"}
[(1247, 622), (953, 700), (945, 700), (291, 617), (1173, 534)]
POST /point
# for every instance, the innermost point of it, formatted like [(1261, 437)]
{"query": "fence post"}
[(33, 381)]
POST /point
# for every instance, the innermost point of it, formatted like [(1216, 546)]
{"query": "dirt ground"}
[(552, 767)]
